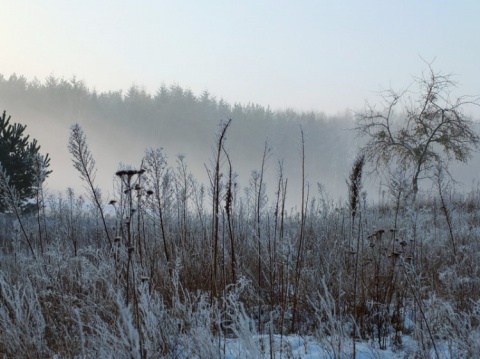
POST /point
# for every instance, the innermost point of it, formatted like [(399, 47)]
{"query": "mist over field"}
[(120, 125)]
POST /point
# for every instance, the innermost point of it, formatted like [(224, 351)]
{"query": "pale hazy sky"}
[(320, 55)]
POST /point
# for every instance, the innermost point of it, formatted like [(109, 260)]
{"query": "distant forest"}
[(183, 122)]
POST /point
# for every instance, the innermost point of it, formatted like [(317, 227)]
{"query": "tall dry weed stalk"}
[(84, 163), (216, 189), (354, 189)]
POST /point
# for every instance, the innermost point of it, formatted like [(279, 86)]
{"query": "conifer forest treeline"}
[(184, 123)]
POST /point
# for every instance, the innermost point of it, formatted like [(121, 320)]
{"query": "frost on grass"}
[(396, 280)]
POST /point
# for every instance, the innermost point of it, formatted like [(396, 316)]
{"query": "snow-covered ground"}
[(308, 347), (304, 347)]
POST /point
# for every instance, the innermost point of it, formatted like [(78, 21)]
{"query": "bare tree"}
[(421, 130)]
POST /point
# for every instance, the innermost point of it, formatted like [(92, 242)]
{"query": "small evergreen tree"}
[(21, 160)]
